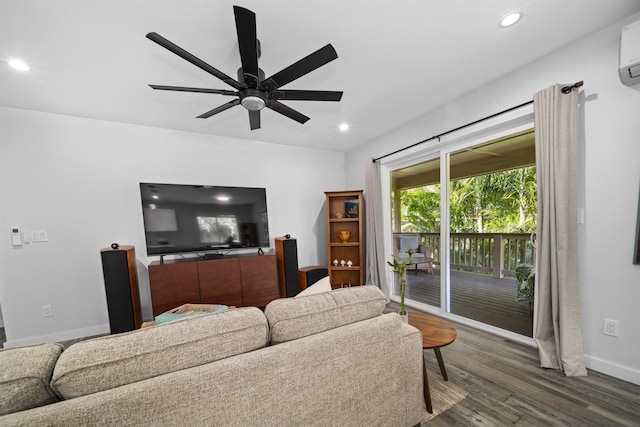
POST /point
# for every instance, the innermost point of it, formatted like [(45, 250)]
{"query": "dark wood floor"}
[(507, 387), (474, 296)]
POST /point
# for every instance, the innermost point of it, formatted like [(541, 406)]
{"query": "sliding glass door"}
[(473, 232), (492, 213), (416, 228)]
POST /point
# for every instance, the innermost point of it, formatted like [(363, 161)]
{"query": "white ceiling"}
[(396, 59)]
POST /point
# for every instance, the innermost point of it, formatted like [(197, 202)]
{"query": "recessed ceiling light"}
[(223, 198), (510, 18), (343, 127), (19, 64)]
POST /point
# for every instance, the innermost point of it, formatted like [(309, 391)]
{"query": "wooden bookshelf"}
[(345, 212)]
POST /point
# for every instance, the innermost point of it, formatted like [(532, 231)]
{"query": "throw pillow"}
[(322, 285)]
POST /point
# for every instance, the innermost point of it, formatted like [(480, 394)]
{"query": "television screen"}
[(202, 218)]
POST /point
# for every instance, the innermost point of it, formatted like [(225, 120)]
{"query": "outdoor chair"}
[(421, 256)]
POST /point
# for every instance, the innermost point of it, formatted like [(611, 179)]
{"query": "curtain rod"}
[(564, 90)]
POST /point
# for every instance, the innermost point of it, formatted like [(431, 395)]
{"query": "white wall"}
[(609, 181), (78, 179)]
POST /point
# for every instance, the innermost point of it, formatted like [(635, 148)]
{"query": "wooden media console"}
[(234, 280)]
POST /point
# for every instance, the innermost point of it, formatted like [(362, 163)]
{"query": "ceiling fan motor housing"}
[(260, 76)]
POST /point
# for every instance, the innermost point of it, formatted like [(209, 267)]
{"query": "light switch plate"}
[(39, 236)]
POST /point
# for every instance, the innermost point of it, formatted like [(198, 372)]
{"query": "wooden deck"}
[(474, 296)]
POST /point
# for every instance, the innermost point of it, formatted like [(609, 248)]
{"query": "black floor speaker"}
[(121, 285), (287, 261)]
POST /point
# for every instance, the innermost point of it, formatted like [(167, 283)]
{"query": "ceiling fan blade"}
[(254, 119), (287, 111), (307, 64), (194, 89), (305, 95), (219, 109), (247, 44), (155, 37)]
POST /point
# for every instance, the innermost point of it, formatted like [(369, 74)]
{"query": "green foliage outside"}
[(502, 202)]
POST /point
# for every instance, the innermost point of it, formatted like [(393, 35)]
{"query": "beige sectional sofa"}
[(331, 358)]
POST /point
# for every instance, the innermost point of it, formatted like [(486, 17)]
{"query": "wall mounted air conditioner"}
[(629, 67)]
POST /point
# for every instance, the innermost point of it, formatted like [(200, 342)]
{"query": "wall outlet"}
[(611, 327), (46, 311)]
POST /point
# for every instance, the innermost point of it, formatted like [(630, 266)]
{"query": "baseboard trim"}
[(60, 336), (621, 372)]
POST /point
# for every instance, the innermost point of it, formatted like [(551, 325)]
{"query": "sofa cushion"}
[(322, 285), (111, 361), (293, 318), (25, 373)]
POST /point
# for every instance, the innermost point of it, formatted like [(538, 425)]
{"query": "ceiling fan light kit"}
[(253, 91), (252, 99)]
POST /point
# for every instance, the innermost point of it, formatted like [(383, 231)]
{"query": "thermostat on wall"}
[(16, 236)]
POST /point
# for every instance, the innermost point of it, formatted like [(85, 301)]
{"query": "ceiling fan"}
[(253, 91)]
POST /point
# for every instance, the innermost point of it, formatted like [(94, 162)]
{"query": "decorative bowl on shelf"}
[(344, 235)]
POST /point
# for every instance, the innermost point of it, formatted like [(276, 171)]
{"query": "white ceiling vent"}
[(629, 67)]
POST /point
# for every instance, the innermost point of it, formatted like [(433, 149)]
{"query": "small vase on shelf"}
[(344, 235)]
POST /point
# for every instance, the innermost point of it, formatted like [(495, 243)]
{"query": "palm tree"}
[(498, 202)]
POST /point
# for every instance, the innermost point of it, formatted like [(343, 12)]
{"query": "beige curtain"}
[(375, 265), (557, 327)]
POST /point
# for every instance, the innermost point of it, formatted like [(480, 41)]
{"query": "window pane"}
[(492, 212)]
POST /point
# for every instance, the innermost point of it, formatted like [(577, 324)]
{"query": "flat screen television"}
[(203, 218)]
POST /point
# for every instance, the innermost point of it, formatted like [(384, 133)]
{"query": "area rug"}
[(444, 394)]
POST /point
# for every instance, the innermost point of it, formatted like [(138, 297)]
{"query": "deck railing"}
[(497, 254)]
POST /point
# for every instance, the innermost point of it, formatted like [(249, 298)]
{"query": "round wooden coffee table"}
[(436, 333)]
